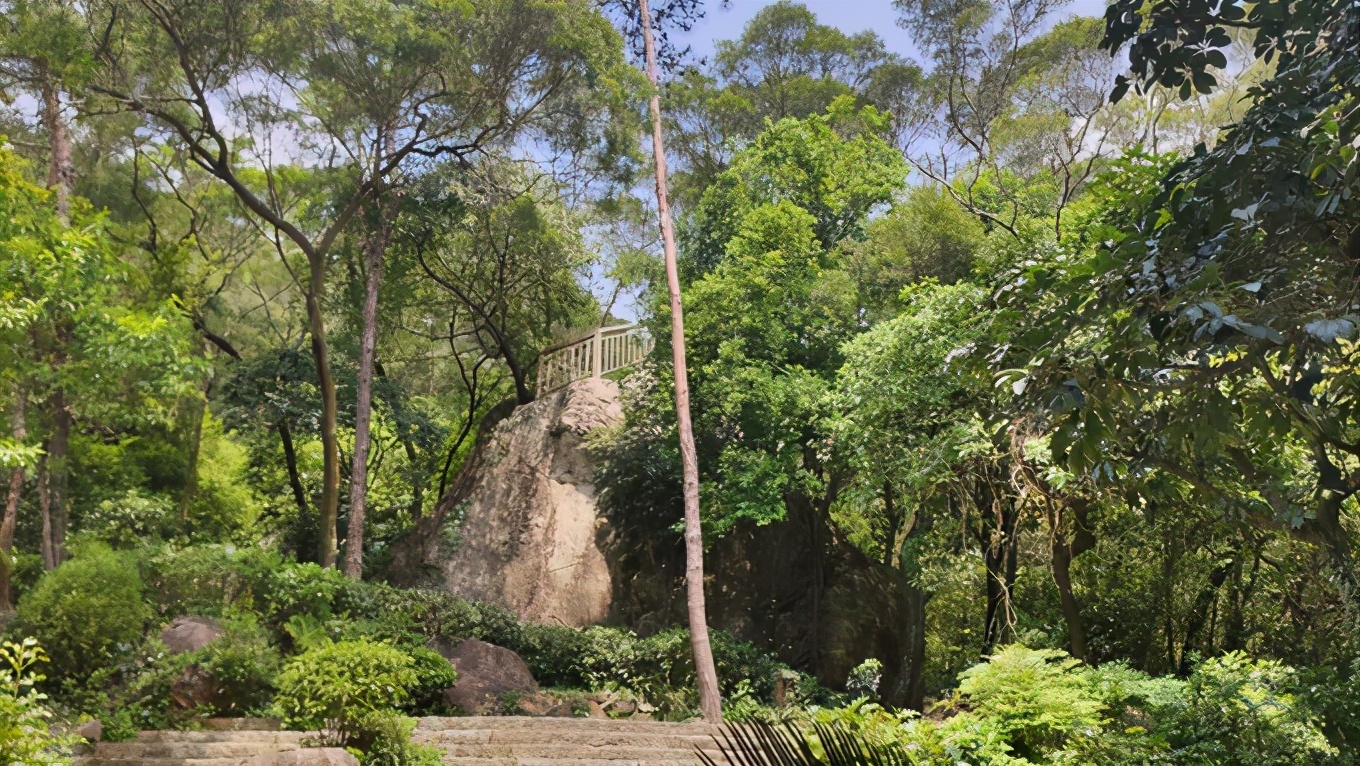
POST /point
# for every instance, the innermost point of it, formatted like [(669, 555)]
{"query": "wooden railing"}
[(600, 353)]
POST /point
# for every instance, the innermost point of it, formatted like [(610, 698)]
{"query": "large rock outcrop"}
[(535, 539), (531, 522)]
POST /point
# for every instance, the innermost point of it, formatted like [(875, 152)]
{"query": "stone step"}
[(567, 752), (279, 737), (586, 738), (214, 748), (308, 757), (95, 760), (465, 741), (476, 723), (168, 749), (453, 760)]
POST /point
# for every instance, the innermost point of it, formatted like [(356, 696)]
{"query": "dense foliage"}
[(1057, 361)]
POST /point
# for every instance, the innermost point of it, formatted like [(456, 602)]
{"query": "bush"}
[(131, 519), (385, 740), (864, 679), (434, 674), (1037, 699), (208, 580), (242, 665), (135, 695), (87, 612), (1334, 698), (1242, 711), (25, 735), (306, 588), (335, 688)]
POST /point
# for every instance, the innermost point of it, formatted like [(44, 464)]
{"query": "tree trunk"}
[(1000, 557), (16, 487), (61, 172), (915, 642), (710, 702), (45, 510), (1199, 615), (57, 514), (1064, 551), (195, 427), (363, 404), (60, 175), (1071, 609), (290, 464), (327, 514), (914, 638)]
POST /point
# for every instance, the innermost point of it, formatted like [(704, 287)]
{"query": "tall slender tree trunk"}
[(710, 701), (61, 172), (363, 405), (45, 511), (327, 514), (11, 517), (1071, 608), (196, 409), (60, 176), (58, 449)]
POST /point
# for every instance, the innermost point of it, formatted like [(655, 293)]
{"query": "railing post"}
[(595, 348)]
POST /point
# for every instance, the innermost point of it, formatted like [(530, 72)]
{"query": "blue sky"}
[(848, 15)]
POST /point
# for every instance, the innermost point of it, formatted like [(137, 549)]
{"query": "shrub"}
[(334, 688), (87, 611), (131, 519), (242, 665), (864, 679), (208, 580), (1334, 698), (434, 674), (1042, 706), (25, 735), (1242, 711), (307, 588), (385, 740), (136, 694), (1037, 698)]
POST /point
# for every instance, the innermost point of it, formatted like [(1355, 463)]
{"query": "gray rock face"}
[(486, 672), (189, 634), (531, 524)]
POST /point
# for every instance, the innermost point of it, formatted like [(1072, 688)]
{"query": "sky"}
[(850, 16)]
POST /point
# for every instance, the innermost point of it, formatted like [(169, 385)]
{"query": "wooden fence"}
[(600, 353)]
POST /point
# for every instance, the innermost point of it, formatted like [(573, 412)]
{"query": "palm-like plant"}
[(765, 744)]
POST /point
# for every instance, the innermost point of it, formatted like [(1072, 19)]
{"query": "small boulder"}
[(486, 673), (91, 730), (189, 634)]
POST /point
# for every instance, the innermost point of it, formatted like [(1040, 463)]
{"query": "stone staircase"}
[(214, 748), (469, 741), (519, 741)]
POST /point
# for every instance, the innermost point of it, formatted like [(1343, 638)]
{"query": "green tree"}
[(785, 64), (445, 95), (77, 327), (924, 236), (832, 166)]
